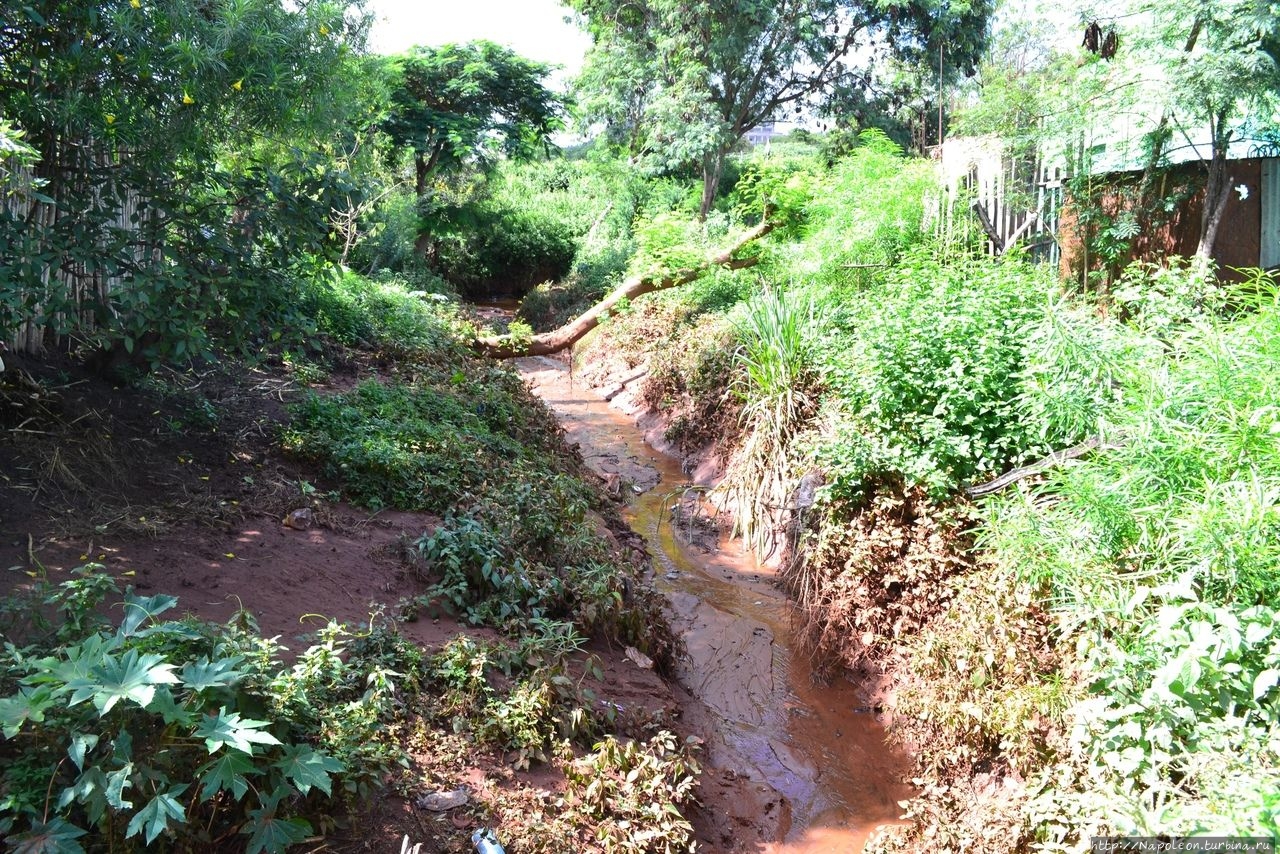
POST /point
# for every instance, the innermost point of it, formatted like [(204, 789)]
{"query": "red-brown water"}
[(775, 723)]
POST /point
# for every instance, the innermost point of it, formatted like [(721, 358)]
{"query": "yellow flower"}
[(324, 31), (137, 4), (237, 84), (111, 119), (187, 99)]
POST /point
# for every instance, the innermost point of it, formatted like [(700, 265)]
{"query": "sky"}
[(532, 28)]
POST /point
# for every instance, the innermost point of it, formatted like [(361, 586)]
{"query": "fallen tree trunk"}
[(546, 343)]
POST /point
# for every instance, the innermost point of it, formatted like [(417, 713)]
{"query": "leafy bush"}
[(1161, 555), (402, 316), (634, 791), (869, 211), (686, 380), (493, 247), (940, 408), (538, 703), (776, 386), (526, 555), (185, 730), (425, 445)]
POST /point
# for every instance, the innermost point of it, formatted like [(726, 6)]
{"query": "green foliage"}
[(866, 213), (776, 384), (1161, 556), (538, 705), (524, 554), (455, 104), (669, 242), (680, 83), (687, 372), (940, 409), (188, 730), (1187, 687), (166, 223), (1162, 299), (634, 792), (425, 445), (499, 244), (408, 318)]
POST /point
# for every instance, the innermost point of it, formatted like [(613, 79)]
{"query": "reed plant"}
[(777, 386)]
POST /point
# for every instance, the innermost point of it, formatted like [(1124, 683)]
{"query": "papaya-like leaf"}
[(228, 729), (229, 772), (156, 815), (138, 609), (271, 834), (305, 768), (54, 836)]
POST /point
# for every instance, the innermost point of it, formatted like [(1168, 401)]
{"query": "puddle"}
[(773, 722)]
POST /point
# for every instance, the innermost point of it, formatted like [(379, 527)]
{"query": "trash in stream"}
[(486, 842), (672, 575)]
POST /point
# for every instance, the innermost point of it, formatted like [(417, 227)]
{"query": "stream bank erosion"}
[(802, 766)]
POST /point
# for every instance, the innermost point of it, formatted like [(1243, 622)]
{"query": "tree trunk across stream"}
[(815, 757)]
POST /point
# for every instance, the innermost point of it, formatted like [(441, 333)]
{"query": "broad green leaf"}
[(1256, 633), (227, 772), (227, 728), (122, 747), (117, 782), (168, 709), (137, 610), (155, 816), (131, 676), (52, 837), (90, 792), (81, 743), (271, 834), (29, 704), (204, 674), (1264, 682), (305, 768)]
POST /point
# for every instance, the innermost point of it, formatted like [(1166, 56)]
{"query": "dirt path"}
[(794, 766)]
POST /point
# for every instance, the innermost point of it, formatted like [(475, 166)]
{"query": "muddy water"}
[(772, 722)]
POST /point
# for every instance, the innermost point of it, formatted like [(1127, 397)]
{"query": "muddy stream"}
[(813, 753)]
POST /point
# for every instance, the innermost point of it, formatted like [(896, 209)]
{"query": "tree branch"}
[(504, 347)]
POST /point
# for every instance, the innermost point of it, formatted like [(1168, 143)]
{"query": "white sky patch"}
[(532, 28)]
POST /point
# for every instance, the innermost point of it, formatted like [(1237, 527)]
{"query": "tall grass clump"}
[(1161, 559), (776, 384)]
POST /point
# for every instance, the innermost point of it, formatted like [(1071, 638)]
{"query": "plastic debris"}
[(486, 842), (641, 660), (300, 519)]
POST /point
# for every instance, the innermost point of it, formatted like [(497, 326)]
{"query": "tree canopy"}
[(180, 145), (456, 104), (683, 81)]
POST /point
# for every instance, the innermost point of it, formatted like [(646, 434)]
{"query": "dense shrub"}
[(187, 731), (402, 314), (449, 436), (930, 372)]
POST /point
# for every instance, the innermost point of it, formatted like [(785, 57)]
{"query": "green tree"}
[(683, 81), (459, 104), (179, 163), (1218, 65)]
